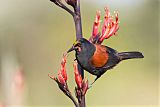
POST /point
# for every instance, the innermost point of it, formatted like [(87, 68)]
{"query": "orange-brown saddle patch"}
[(100, 57)]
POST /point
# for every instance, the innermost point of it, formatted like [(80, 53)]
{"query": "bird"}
[(97, 59)]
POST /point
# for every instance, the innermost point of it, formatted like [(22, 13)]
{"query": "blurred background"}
[(35, 33)]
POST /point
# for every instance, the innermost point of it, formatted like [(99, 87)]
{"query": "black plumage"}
[(97, 59)]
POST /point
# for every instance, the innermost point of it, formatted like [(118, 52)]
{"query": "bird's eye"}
[(78, 45)]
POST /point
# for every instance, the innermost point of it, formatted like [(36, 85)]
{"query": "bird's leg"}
[(95, 79), (90, 85)]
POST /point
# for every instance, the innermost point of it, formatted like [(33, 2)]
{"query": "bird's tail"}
[(130, 55)]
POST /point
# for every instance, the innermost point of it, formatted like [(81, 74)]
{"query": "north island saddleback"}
[(97, 58)]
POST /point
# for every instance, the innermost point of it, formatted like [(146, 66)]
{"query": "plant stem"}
[(78, 27), (73, 100), (60, 4), (77, 20)]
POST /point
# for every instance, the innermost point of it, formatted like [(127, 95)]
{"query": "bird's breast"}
[(100, 56)]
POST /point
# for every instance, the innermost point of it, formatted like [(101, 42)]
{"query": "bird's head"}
[(81, 45)]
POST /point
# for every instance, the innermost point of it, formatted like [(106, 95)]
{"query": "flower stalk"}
[(78, 27), (109, 28)]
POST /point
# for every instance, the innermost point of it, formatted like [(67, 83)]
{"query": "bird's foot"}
[(89, 86)]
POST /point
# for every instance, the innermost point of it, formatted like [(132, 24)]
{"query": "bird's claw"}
[(89, 86)]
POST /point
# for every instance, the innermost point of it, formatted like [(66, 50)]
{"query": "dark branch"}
[(78, 27), (77, 20), (64, 88), (60, 4)]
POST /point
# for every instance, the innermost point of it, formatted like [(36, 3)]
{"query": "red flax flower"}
[(63, 68), (84, 86), (81, 84), (78, 77), (62, 75), (96, 24), (95, 31), (61, 80), (109, 28)]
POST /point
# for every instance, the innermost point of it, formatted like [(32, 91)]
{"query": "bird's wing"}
[(113, 58)]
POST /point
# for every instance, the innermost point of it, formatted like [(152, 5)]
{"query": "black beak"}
[(71, 49)]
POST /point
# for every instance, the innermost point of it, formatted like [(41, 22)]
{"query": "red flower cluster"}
[(109, 28), (96, 24), (62, 75), (82, 84)]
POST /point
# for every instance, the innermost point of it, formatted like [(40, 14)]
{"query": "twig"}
[(78, 26), (65, 89), (60, 4)]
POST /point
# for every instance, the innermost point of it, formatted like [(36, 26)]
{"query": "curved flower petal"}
[(78, 77), (63, 67), (96, 24), (61, 79), (110, 27)]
